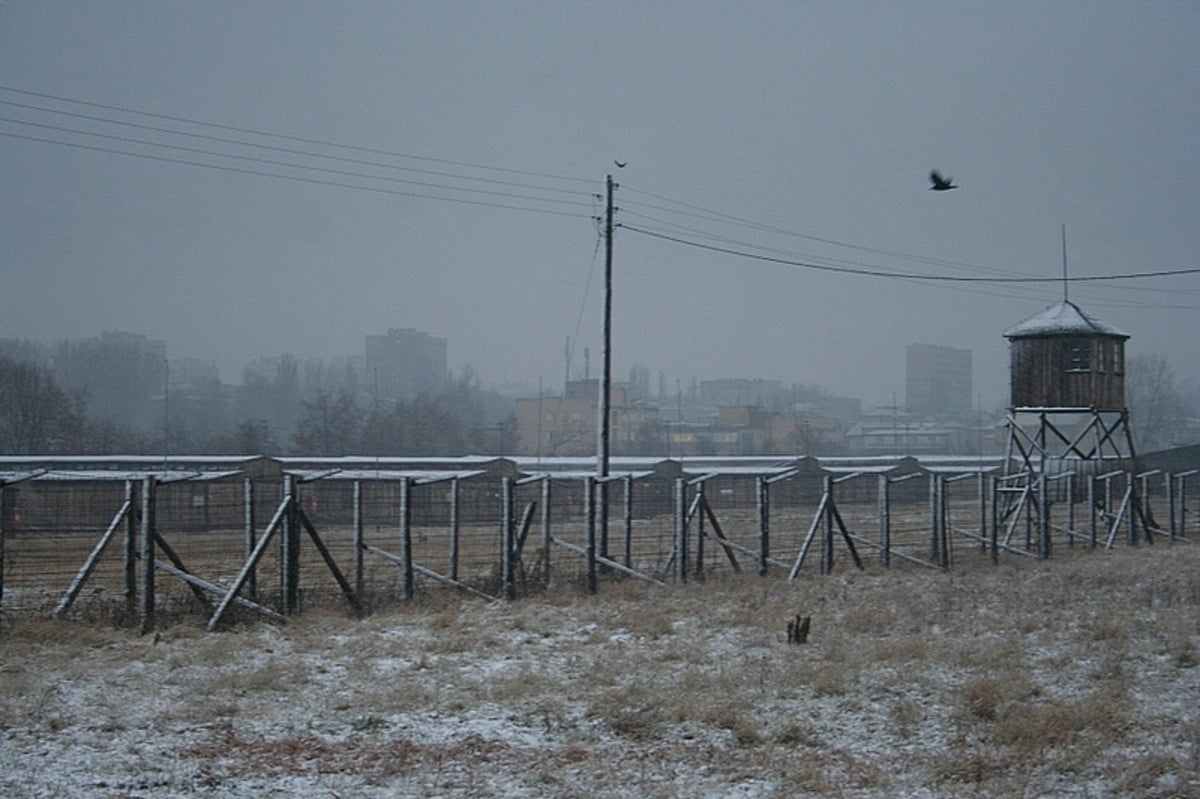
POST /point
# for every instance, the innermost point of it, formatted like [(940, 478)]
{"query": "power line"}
[(907, 275), (270, 147), (820, 263), (288, 137), (723, 218), (296, 178), (272, 162)]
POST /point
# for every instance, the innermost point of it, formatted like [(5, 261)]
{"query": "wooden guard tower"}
[(1068, 393), (1068, 420)]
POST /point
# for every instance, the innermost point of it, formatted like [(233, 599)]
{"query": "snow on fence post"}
[(762, 497), (146, 542)]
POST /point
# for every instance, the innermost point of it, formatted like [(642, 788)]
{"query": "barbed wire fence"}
[(146, 549)]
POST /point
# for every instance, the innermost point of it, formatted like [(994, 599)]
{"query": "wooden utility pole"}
[(602, 451), (603, 445)]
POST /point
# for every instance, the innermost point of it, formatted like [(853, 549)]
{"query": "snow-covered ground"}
[(1075, 677)]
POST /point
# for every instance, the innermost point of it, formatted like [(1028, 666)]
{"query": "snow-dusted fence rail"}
[(226, 545)]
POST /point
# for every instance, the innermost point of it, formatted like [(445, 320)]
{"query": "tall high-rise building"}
[(937, 381), (405, 363)]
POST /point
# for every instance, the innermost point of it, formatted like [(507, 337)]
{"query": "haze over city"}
[(242, 180)]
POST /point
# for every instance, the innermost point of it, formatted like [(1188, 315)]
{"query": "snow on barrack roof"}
[(1063, 318)]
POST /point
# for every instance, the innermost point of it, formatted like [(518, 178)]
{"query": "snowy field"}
[(1074, 677)]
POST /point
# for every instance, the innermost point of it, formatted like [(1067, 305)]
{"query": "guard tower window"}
[(1080, 356), (1101, 356), (1118, 357)]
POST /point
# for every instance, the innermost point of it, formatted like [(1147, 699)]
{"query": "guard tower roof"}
[(1063, 319)]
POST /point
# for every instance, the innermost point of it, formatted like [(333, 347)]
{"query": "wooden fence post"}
[(943, 522), (357, 521), (1091, 500), (762, 496), (981, 487), (934, 504), (700, 505), (251, 535), (681, 542), (405, 521), (146, 597), (289, 542), (455, 527), (827, 530), (507, 581), (589, 491), (601, 489), (1170, 506), (546, 495), (1131, 494), (994, 491), (3, 532), (627, 510), (884, 506), (130, 549), (1070, 510), (1044, 516)]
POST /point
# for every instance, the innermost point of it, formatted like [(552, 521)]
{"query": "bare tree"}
[(1156, 406), (329, 425), (36, 416)]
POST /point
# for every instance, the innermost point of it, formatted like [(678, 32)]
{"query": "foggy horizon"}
[(244, 181)]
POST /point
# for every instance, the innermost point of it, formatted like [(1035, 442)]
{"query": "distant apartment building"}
[(751, 430), (569, 424), (733, 392), (122, 374), (405, 363), (937, 381), (192, 371)]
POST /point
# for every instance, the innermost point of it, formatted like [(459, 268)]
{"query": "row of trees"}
[(38, 415)]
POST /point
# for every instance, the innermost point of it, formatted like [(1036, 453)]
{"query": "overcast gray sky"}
[(799, 131)]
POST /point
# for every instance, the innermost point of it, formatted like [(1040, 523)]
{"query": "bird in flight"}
[(940, 183), (620, 164)]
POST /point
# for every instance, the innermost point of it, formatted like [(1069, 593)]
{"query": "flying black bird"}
[(620, 164), (940, 183)]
